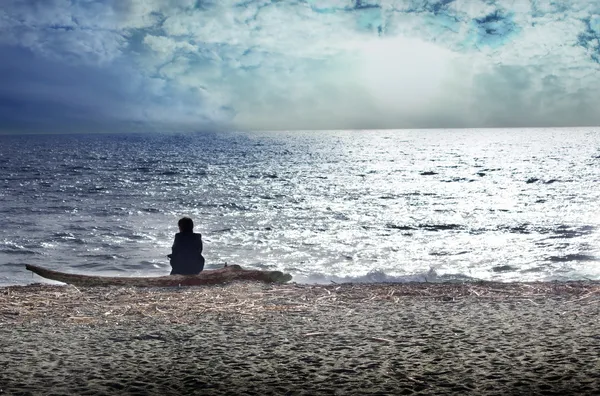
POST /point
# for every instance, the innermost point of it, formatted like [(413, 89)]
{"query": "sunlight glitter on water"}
[(322, 205)]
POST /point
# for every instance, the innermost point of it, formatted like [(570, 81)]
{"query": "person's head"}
[(186, 224)]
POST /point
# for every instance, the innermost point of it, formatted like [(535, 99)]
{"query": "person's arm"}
[(200, 243), (176, 246)]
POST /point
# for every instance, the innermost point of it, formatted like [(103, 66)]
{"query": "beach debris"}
[(92, 305)]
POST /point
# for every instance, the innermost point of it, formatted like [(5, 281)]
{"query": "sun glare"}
[(402, 71)]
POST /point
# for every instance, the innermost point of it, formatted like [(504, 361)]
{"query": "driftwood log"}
[(224, 275)]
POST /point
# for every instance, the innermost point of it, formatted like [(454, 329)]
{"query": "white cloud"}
[(323, 63), (166, 47)]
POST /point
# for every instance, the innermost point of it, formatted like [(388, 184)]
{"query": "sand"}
[(479, 339)]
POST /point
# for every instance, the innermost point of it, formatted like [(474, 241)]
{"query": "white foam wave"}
[(378, 276)]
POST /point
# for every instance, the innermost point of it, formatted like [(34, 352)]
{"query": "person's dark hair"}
[(186, 224)]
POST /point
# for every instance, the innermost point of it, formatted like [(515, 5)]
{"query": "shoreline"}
[(250, 338)]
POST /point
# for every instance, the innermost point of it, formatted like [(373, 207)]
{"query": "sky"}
[(175, 65)]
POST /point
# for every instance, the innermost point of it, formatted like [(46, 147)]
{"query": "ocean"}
[(325, 206)]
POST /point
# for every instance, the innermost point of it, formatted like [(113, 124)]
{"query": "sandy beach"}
[(249, 338)]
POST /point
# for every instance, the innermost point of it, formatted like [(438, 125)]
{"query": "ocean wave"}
[(549, 181), (169, 172), (504, 268), (95, 268), (378, 276), (263, 176), (572, 257), (426, 227), (19, 251), (10, 247), (17, 266), (458, 180), (101, 256), (150, 210), (554, 231), (565, 231), (66, 237)]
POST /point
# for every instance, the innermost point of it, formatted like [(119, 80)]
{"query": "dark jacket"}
[(186, 256)]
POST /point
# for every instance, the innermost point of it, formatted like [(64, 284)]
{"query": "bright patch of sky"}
[(75, 65)]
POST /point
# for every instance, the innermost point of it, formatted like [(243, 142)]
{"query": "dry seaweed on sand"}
[(69, 304)]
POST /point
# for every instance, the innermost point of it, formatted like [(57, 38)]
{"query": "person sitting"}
[(186, 257)]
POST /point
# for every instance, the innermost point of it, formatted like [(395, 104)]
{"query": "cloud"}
[(307, 64)]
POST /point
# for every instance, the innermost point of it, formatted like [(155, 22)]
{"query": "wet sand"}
[(479, 339)]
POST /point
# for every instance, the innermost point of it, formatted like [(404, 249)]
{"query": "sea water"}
[(357, 206)]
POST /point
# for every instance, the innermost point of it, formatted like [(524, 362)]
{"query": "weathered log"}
[(224, 275)]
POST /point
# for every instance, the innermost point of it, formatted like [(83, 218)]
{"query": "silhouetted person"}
[(186, 257)]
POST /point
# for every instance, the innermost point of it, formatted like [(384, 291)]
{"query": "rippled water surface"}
[(335, 205)]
